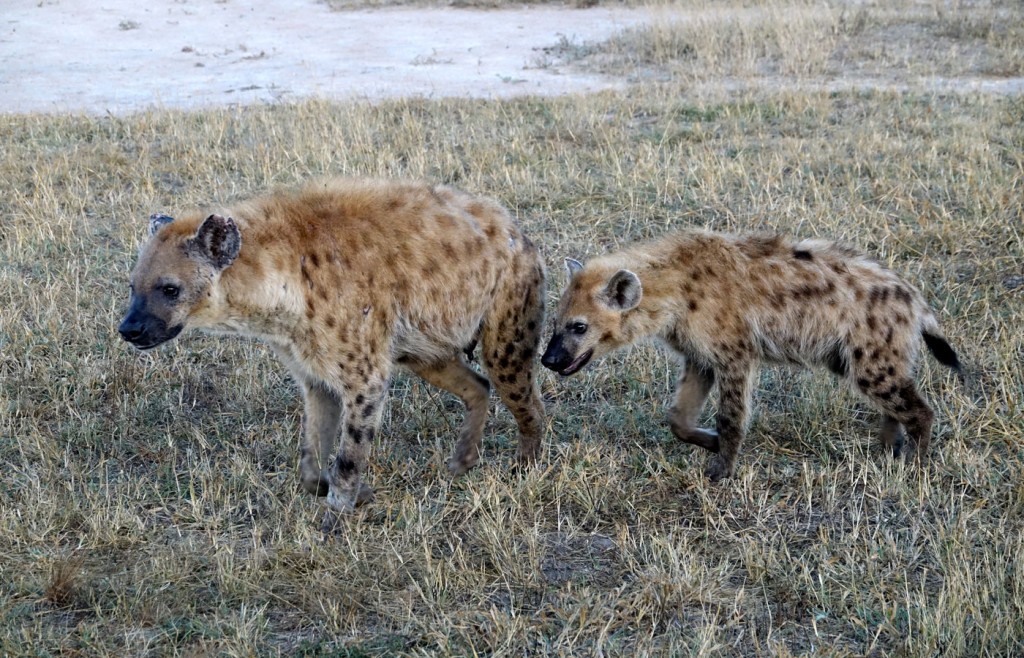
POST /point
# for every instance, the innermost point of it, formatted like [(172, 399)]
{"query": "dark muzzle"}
[(561, 360), (144, 330)]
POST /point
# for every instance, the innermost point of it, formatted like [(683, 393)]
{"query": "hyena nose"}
[(554, 355), (130, 330)]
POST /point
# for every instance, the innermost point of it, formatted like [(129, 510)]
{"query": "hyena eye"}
[(170, 291), (578, 328)]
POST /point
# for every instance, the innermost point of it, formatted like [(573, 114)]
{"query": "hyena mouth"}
[(577, 363), (148, 342)]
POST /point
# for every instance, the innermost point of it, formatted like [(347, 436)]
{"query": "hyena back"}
[(724, 304), (345, 280)]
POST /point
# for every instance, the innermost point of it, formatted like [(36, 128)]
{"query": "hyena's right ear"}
[(572, 267), (156, 220), (623, 291), (217, 241)]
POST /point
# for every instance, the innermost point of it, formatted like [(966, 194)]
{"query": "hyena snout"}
[(562, 358), (145, 330)]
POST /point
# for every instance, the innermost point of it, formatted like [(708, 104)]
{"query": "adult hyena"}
[(725, 304), (346, 279)]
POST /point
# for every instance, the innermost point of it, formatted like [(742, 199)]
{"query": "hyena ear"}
[(217, 240), (623, 291), (572, 267), (156, 220)]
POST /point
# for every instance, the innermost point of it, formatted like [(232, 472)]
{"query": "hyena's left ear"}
[(572, 267), (217, 241), (156, 220), (623, 291)]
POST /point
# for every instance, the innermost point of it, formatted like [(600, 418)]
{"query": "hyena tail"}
[(941, 349)]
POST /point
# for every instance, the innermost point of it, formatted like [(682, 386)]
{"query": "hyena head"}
[(171, 281), (588, 323)]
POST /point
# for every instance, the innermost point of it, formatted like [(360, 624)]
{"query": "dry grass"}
[(834, 43), (148, 505)]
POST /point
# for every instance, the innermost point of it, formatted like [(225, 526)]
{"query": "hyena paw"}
[(338, 508), (331, 522), (718, 469), (913, 454), (365, 494), (527, 455), (317, 486), (462, 461), (345, 502)]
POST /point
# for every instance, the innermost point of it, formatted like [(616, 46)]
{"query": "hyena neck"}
[(650, 319), (255, 299), (646, 321)]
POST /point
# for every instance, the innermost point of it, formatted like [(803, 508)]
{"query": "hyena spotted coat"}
[(346, 279), (724, 304)]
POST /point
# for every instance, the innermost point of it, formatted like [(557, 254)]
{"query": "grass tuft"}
[(62, 590)]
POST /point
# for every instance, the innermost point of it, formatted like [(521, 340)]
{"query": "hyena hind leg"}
[(903, 406), (460, 380), (692, 392)]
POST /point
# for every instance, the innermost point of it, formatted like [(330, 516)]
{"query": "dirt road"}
[(119, 56)]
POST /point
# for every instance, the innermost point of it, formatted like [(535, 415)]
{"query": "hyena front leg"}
[(363, 401), (694, 385), (321, 422), (735, 383), (459, 379), (320, 425)]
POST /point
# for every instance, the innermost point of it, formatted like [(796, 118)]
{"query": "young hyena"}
[(724, 304), (346, 279)]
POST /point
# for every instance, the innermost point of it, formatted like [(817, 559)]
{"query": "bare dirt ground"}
[(122, 55)]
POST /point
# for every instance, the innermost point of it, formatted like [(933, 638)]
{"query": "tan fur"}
[(724, 304), (346, 279)]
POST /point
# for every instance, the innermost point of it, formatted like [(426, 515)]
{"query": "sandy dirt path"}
[(120, 56)]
